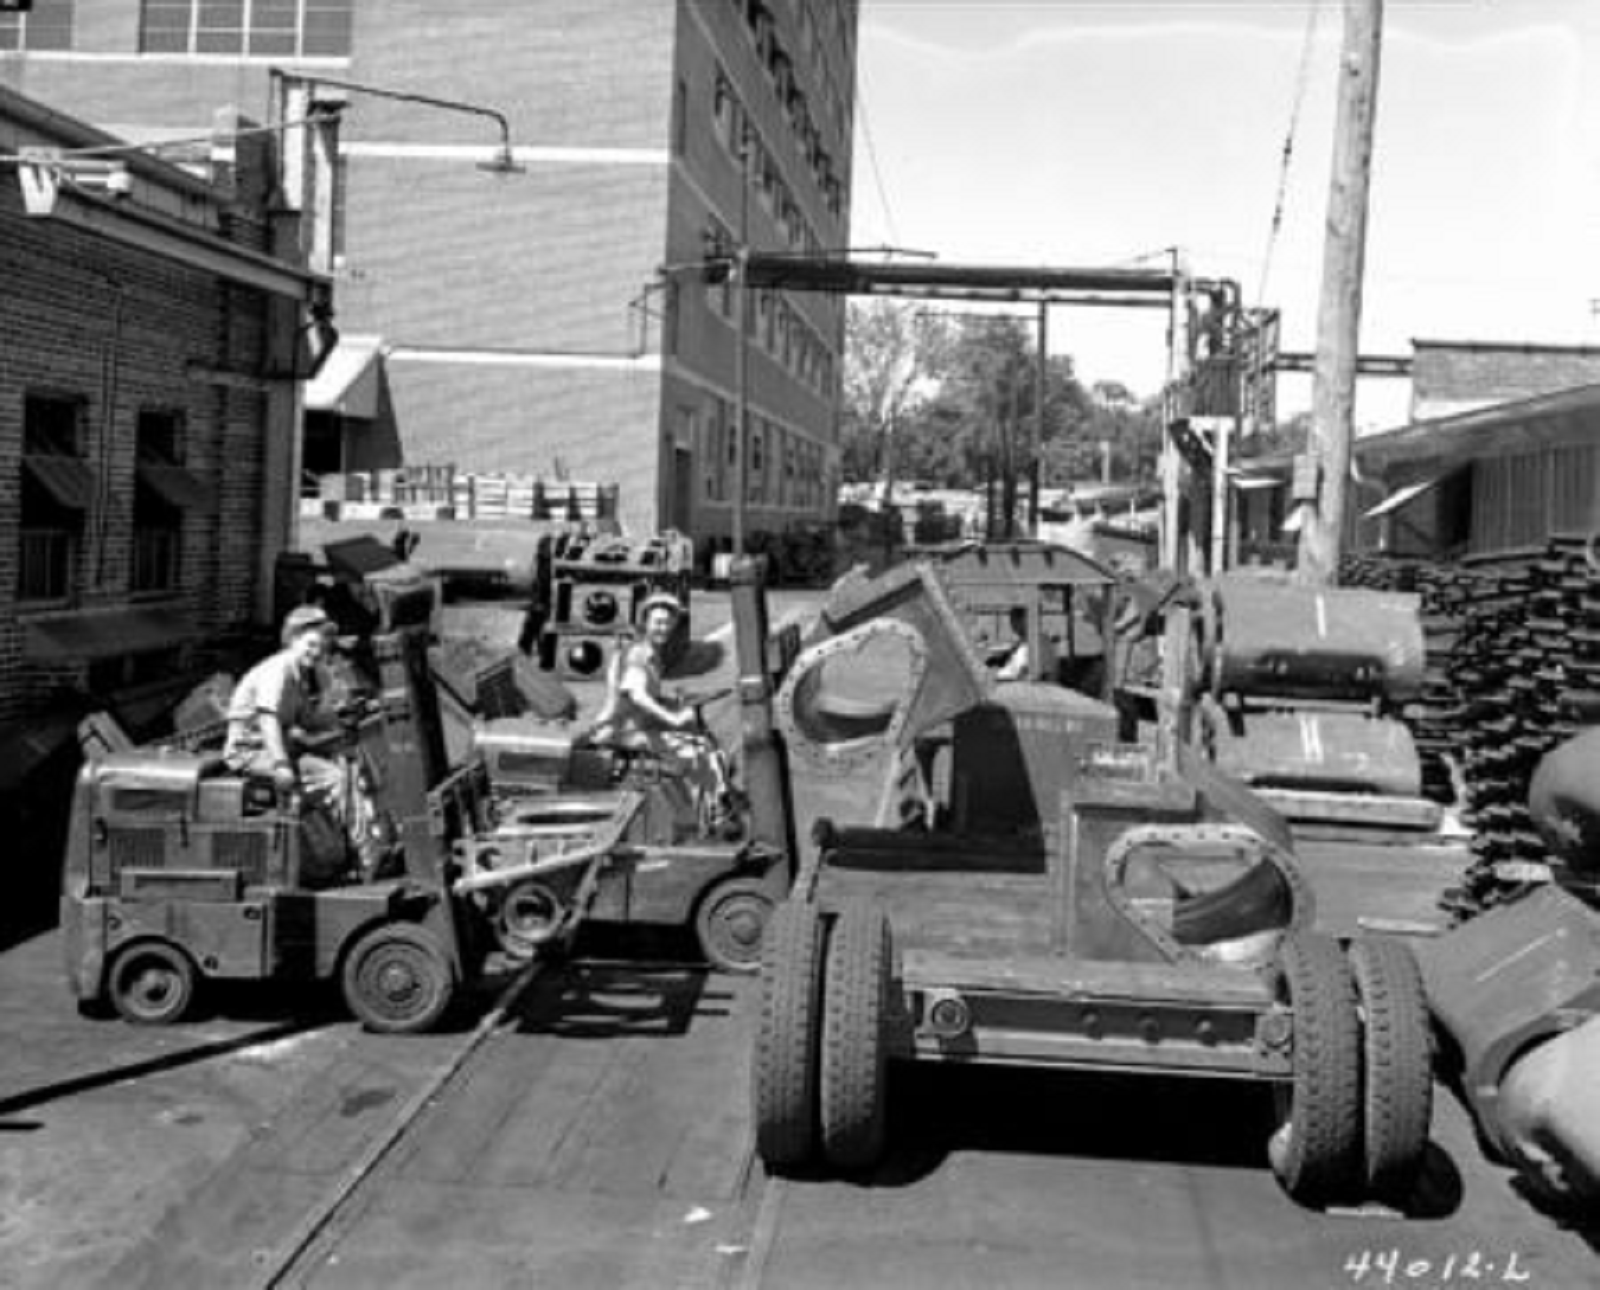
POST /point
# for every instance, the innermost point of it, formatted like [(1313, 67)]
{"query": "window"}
[(48, 26), (163, 491), (714, 430), (671, 316), (57, 490), (256, 28), (680, 117)]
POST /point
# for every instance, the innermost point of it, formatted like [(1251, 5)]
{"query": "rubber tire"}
[(151, 983), (784, 1070), (1317, 1151), (410, 1006), (734, 948), (1397, 1065), (855, 1051)]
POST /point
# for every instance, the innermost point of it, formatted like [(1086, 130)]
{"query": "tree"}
[(895, 356)]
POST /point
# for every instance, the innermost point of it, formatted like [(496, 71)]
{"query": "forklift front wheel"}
[(397, 979), (152, 983), (731, 923)]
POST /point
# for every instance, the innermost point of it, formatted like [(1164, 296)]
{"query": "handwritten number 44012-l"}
[(1390, 1267)]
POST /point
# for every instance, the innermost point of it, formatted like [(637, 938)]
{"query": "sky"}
[(1090, 133)]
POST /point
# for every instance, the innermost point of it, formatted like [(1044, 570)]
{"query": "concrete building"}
[(518, 321)]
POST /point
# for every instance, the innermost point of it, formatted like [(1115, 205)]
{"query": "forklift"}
[(179, 872)]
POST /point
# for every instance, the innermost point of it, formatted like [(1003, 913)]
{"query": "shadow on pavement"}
[(607, 1001), (57, 1089), (935, 1112)]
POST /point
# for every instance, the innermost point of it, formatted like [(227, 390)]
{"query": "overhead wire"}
[(872, 161), (1302, 76)]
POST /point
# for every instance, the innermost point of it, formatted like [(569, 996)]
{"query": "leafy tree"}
[(896, 354)]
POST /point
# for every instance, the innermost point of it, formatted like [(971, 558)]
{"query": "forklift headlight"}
[(945, 1014)]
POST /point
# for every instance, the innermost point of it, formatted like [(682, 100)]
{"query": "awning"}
[(173, 484), (88, 635), (347, 383), (67, 479), (1401, 497)]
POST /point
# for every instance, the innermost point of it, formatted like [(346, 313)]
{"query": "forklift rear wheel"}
[(731, 922), (1397, 1065), (855, 1053), (784, 1072), (1316, 1150), (152, 983), (397, 979)]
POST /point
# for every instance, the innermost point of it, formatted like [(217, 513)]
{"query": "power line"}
[(872, 160), (1301, 78)]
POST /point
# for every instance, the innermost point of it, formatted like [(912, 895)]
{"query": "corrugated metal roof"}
[(1467, 434)]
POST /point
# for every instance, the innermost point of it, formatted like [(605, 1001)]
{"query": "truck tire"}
[(731, 921), (151, 983), (784, 1070), (397, 979), (855, 1065), (1397, 1065), (1316, 1150)]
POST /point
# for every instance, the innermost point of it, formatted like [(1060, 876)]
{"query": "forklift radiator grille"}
[(244, 852), (137, 849)]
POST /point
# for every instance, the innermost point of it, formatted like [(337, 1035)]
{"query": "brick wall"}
[(119, 327)]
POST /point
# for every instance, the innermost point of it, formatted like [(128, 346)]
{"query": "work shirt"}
[(640, 671), (277, 686)]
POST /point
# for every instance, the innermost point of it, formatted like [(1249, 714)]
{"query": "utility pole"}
[(1339, 314), (1040, 385)]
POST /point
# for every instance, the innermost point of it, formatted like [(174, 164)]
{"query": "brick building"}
[(149, 376), (147, 421), (518, 321)]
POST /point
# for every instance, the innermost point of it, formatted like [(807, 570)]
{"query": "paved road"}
[(600, 1137)]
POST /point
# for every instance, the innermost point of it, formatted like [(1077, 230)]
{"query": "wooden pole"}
[(1339, 315), (1041, 386)]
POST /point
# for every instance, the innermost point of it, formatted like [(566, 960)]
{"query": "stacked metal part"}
[(1513, 671)]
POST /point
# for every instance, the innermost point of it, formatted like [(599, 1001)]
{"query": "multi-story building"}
[(520, 321)]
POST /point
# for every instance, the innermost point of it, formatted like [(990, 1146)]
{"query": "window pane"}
[(49, 26), (221, 13), (164, 26), (10, 31), (271, 42), (327, 29), (219, 42)]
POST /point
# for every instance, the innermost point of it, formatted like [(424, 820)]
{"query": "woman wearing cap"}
[(273, 713), (637, 711)]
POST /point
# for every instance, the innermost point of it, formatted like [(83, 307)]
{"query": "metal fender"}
[(1504, 987), (1550, 1114)]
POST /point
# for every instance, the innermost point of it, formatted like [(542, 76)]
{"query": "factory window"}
[(47, 26), (163, 491), (58, 488), (680, 117), (255, 28)]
